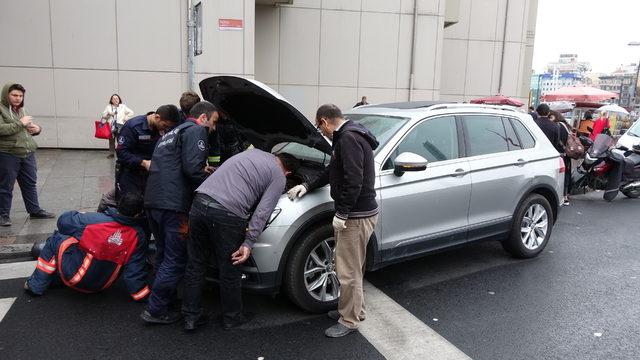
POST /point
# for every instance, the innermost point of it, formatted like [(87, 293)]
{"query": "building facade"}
[(71, 56)]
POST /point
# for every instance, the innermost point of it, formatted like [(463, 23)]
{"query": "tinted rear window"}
[(526, 139)]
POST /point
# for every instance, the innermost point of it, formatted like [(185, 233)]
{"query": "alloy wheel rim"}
[(534, 227), (320, 278)]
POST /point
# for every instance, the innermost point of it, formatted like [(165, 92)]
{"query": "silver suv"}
[(446, 174)]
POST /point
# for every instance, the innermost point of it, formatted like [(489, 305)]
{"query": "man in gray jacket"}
[(230, 210)]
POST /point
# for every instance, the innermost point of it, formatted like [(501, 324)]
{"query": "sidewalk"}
[(67, 180)]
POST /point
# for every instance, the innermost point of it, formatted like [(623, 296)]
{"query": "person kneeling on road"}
[(89, 251), (222, 217)]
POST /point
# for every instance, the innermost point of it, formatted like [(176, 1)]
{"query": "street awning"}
[(579, 93)]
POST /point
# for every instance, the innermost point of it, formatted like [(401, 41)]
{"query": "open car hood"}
[(263, 116)]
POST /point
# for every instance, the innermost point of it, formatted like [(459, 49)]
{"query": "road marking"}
[(5, 305), (398, 334), (17, 270)]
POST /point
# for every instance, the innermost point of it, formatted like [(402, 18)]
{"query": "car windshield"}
[(634, 130), (382, 127)]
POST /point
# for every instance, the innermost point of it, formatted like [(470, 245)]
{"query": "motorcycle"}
[(609, 169)]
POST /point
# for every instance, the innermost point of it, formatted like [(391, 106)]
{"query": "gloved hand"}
[(339, 224), (297, 191)]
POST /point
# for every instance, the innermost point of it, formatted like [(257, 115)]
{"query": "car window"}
[(302, 152), (434, 139), (485, 135), (525, 136), (512, 139), (381, 126)]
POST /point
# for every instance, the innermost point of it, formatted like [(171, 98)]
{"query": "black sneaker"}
[(168, 318), (42, 214), (5, 220), (237, 321), (28, 290), (193, 325)]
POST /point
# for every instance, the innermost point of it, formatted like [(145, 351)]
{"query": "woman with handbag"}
[(116, 114)]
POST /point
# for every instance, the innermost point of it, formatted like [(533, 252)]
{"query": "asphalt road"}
[(577, 300)]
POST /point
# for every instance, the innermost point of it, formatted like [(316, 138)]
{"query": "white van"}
[(631, 136)]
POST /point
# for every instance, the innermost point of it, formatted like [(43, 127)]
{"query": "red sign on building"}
[(230, 24)]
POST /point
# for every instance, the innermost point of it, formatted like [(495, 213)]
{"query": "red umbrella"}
[(579, 93), (498, 100)]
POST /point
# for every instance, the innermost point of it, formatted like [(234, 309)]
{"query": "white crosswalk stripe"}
[(398, 334), (16, 270), (5, 305)]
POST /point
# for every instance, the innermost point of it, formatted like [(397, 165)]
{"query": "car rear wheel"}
[(531, 228), (310, 277)]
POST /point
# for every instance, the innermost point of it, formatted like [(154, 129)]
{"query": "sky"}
[(597, 30)]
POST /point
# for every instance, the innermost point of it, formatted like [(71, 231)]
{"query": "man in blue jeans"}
[(17, 154), (229, 212)]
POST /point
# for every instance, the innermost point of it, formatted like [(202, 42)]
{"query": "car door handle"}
[(521, 162), (459, 172)]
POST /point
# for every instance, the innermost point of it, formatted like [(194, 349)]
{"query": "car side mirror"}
[(408, 162), (636, 147)]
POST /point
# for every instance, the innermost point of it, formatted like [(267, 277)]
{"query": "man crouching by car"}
[(229, 212), (351, 175), (90, 250)]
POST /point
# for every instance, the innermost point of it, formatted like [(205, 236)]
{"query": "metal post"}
[(504, 44), (191, 26), (635, 87), (414, 36)]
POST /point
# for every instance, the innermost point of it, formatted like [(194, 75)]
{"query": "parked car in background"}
[(630, 137), (446, 175)]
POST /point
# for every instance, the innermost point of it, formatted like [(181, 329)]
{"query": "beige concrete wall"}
[(472, 50), (314, 51), (71, 56)]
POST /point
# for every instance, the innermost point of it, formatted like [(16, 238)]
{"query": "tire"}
[(297, 285), (633, 194), (530, 245)]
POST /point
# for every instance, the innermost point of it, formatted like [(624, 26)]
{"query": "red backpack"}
[(109, 241)]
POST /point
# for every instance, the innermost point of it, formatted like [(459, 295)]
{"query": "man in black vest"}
[(178, 167)]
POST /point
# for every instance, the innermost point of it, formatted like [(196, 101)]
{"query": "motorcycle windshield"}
[(600, 145)]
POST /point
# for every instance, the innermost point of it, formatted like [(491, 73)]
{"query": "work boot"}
[(168, 318), (237, 321), (5, 220), (42, 214), (193, 325), (338, 330)]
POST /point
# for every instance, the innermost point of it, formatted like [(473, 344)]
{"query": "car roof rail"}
[(482, 106)]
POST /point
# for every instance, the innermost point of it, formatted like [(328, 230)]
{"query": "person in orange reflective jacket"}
[(89, 251)]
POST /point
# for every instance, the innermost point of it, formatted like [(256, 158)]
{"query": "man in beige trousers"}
[(351, 176)]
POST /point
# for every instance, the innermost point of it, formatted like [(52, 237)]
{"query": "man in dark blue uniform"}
[(136, 142), (90, 250), (178, 167)]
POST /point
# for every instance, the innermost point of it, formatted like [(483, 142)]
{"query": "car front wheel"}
[(531, 228), (310, 277)]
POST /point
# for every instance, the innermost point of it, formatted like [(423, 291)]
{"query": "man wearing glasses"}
[(351, 177)]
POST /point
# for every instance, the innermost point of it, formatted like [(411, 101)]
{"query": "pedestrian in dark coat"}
[(351, 175)]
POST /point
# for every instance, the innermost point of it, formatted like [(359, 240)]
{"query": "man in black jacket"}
[(351, 176), (549, 128), (178, 167)]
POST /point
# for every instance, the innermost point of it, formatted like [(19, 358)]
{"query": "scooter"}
[(608, 169)]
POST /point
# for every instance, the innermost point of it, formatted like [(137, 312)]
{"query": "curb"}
[(14, 251), (23, 246)]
